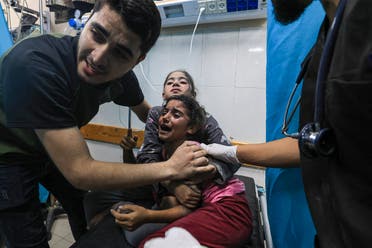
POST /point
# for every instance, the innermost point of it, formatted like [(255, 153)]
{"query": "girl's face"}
[(176, 84), (174, 122)]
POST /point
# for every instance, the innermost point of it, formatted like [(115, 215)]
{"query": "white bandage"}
[(174, 237), (222, 152)]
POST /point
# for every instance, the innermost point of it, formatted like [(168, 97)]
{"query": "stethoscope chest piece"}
[(314, 141)]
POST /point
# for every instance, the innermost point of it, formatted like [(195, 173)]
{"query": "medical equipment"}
[(185, 12), (78, 23), (83, 5), (59, 5), (313, 139)]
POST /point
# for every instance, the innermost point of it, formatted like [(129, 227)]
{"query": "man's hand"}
[(188, 196), (202, 177), (130, 216), (222, 152), (128, 142), (188, 161)]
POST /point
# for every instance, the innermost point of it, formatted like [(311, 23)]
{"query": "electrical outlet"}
[(221, 6), (211, 7)]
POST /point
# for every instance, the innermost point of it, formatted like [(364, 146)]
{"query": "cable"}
[(147, 80), (41, 17), (191, 43), (8, 17), (120, 117), (19, 29), (201, 10)]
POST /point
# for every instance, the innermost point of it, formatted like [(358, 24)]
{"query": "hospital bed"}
[(256, 196)]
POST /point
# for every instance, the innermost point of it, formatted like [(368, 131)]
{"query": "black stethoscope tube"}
[(323, 70), (325, 62)]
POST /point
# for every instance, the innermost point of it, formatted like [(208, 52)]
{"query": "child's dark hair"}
[(141, 16), (196, 113)]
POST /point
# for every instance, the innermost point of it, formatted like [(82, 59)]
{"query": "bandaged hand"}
[(221, 152)]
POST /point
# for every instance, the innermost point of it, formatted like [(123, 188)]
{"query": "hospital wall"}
[(228, 63)]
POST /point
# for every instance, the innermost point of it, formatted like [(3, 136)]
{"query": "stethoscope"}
[(313, 139)]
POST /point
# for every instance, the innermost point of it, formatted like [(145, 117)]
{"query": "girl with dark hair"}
[(98, 203), (223, 218)]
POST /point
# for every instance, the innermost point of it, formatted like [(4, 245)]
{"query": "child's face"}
[(176, 84), (174, 122)]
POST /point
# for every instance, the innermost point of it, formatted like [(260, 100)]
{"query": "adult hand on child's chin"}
[(188, 161)]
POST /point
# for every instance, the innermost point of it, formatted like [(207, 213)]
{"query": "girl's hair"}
[(196, 113), (189, 79)]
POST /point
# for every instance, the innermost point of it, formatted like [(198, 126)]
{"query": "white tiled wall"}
[(228, 63)]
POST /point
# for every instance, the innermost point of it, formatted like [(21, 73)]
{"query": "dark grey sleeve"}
[(225, 170), (214, 133), (150, 150)]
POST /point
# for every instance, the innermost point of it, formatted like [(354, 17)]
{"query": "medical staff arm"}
[(280, 153), (69, 151)]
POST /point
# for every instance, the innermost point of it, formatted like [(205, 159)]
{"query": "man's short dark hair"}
[(141, 16)]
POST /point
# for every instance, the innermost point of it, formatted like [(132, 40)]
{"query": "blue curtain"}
[(289, 216), (5, 38)]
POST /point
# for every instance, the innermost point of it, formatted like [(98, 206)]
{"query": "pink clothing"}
[(223, 224), (224, 220), (215, 192)]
